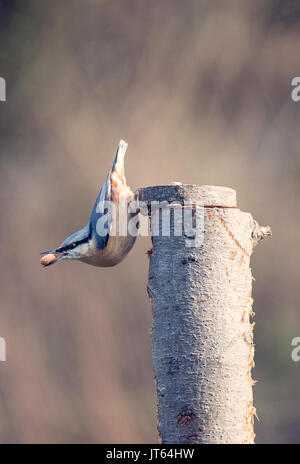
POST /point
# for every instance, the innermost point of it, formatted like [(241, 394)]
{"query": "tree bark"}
[(202, 335)]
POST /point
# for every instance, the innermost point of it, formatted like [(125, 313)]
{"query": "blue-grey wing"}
[(101, 217)]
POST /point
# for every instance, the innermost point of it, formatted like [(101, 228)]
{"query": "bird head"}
[(74, 247)]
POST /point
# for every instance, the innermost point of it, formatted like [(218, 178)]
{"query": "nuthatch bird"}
[(96, 244)]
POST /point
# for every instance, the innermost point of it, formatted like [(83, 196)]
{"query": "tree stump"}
[(201, 296)]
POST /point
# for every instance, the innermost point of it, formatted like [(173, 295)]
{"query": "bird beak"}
[(51, 256)]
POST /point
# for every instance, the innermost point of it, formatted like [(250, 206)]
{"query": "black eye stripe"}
[(69, 247), (74, 244)]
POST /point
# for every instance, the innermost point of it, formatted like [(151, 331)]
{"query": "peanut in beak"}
[(48, 259)]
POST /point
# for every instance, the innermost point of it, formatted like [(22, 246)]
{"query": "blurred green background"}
[(201, 91)]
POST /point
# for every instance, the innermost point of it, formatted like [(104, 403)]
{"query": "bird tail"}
[(119, 158), (117, 179)]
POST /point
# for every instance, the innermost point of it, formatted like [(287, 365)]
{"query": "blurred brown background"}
[(201, 91)]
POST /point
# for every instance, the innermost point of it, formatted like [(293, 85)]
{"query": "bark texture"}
[(202, 335)]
